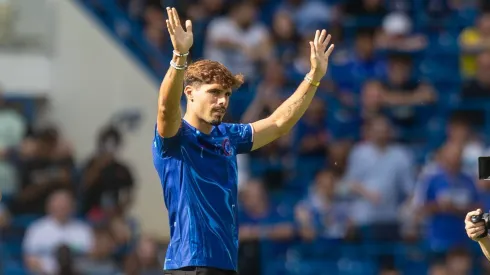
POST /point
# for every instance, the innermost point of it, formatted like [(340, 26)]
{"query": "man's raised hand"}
[(320, 54), (181, 39)]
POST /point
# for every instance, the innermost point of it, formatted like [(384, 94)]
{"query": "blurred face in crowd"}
[(154, 17), (450, 156), (379, 131), (104, 244), (483, 63), (155, 36), (283, 25), (315, 113), (364, 45), (213, 6), (245, 14), (371, 95), (253, 196), (325, 184), (459, 263), (399, 71), (372, 4), (484, 24), (458, 132), (60, 206), (438, 269), (274, 73), (147, 251)]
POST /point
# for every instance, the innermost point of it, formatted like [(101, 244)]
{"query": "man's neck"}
[(197, 123)]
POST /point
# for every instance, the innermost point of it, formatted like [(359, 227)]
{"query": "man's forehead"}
[(214, 86)]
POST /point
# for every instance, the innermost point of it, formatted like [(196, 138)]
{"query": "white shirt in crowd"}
[(44, 236), (236, 60)]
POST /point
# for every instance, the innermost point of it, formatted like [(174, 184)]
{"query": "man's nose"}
[(222, 101)]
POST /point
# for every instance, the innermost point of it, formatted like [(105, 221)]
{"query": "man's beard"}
[(215, 122)]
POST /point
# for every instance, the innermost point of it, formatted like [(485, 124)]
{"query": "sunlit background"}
[(376, 178)]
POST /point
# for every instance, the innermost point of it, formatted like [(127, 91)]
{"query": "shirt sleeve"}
[(165, 146), (241, 137)]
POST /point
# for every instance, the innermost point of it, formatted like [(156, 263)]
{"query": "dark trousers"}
[(197, 270)]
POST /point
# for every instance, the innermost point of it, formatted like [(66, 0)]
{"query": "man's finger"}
[(327, 40), (312, 48), (472, 213), (471, 225), (323, 34), (169, 27), (176, 16), (330, 50), (477, 233), (317, 36), (188, 26), (171, 17)]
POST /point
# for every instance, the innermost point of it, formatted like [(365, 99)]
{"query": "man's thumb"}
[(188, 25)]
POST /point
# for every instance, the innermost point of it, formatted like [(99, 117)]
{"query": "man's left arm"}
[(290, 111)]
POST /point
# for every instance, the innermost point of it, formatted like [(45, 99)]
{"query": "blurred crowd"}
[(377, 175), (57, 217)]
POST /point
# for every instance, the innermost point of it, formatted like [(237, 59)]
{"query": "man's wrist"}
[(315, 75), (179, 60)]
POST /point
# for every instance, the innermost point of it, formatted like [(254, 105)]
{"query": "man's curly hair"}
[(211, 72)]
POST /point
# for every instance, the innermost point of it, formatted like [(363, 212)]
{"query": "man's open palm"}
[(181, 39), (319, 52)]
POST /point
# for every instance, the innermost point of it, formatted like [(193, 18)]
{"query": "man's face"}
[(210, 102)]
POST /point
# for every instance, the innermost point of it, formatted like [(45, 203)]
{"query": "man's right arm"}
[(169, 113)]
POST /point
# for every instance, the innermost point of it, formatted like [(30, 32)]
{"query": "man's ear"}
[(189, 92)]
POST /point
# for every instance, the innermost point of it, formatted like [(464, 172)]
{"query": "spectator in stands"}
[(371, 12), (100, 260), (473, 41), (260, 220), (323, 213), (284, 37), (144, 259), (107, 182), (239, 41), (402, 93), (309, 15), (459, 261), (45, 236), (12, 131), (355, 66), (4, 216), (311, 134), (270, 93), (438, 268), (397, 34), (479, 87), (445, 196), (349, 121), (46, 164), (380, 174)]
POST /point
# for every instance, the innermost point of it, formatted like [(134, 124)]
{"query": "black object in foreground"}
[(484, 168)]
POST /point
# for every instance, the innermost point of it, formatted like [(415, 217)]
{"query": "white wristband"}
[(176, 53), (178, 67)]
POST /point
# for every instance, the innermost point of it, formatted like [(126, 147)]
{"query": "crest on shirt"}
[(226, 145)]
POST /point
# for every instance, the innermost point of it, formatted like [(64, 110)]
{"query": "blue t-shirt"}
[(199, 175), (445, 231)]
